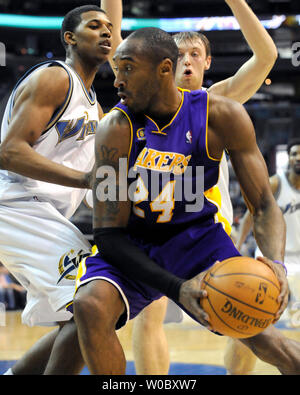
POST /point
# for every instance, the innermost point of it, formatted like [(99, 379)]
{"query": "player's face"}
[(93, 36), (294, 159), (191, 65), (135, 78)]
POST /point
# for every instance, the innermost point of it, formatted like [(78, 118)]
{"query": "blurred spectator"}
[(12, 294)]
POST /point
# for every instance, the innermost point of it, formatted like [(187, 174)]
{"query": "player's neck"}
[(196, 87), (192, 87), (86, 72), (166, 106)]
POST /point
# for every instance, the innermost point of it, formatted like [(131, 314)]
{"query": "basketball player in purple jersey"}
[(150, 345), (152, 246)]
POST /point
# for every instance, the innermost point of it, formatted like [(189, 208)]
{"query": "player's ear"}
[(166, 66), (207, 63), (69, 38)]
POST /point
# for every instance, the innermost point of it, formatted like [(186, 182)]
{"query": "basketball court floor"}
[(193, 350)]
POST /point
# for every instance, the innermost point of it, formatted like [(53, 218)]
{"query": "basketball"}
[(242, 296)]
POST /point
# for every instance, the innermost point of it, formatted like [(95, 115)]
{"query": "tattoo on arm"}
[(107, 157), (110, 207)]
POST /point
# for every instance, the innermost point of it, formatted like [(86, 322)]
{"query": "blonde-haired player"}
[(149, 340)]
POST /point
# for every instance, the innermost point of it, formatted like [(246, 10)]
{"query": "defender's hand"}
[(88, 179)]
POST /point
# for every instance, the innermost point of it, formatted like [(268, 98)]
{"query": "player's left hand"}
[(189, 297), (283, 297)]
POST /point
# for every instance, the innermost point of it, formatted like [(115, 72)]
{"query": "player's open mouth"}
[(105, 45), (187, 72), (123, 97)]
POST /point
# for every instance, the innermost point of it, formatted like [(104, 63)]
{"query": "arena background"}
[(29, 33)]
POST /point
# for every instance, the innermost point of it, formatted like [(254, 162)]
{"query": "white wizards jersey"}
[(288, 199), (67, 140)]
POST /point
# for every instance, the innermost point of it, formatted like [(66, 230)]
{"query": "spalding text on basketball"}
[(239, 315)]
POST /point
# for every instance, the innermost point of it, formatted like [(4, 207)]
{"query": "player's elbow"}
[(8, 153), (272, 54), (269, 59), (266, 205), (4, 158)]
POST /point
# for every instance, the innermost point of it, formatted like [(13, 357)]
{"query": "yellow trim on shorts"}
[(82, 267)]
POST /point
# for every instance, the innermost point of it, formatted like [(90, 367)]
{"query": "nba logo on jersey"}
[(189, 137), (141, 134)]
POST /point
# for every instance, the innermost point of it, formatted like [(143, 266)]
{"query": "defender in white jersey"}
[(29, 206), (286, 189), (46, 156), (149, 340)]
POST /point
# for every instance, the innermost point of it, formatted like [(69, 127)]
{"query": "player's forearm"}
[(255, 34), (251, 75), (20, 158), (131, 260), (245, 226), (114, 10), (270, 231)]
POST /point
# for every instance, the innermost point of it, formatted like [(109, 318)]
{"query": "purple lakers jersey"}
[(171, 169)]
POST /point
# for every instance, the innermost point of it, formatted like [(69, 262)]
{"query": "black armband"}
[(119, 251)]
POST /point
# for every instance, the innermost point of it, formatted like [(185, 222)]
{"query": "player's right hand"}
[(87, 180), (190, 295), (283, 297)]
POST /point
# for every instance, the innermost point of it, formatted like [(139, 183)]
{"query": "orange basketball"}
[(242, 296)]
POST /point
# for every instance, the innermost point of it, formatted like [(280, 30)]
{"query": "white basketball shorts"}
[(42, 249)]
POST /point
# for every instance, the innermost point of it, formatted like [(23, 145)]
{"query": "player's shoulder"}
[(223, 111), (44, 86), (223, 104), (115, 116), (114, 132), (48, 82), (55, 77), (114, 123)]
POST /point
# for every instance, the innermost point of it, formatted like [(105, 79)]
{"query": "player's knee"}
[(149, 322), (238, 359), (153, 315), (87, 305), (97, 307), (84, 306)]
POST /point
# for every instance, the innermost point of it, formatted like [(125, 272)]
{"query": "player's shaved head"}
[(153, 44)]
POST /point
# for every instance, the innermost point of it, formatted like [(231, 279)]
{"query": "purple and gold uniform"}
[(171, 219)]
